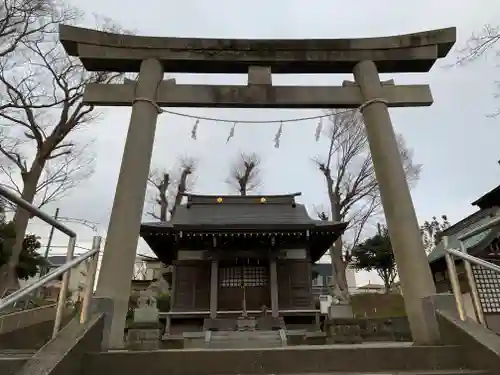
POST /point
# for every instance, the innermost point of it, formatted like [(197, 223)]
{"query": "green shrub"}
[(163, 302), (375, 305)]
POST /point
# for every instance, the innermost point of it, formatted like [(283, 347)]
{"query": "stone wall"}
[(20, 319), (31, 334), (369, 329)]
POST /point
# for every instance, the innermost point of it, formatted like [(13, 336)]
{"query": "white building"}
[(323, 280), (77, 280)]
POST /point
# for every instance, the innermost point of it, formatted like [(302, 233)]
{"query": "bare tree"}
[(59, 176), (26, 20), (431, 231), (169, 190), (40, 109), (244, 175), (479, 45), (352, 186)]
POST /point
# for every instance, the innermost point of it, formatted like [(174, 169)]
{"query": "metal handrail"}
[(467, 260), (474, 260), (65, 269), (23, 292), (35, 211)]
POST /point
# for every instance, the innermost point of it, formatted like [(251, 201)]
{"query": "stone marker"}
[(144, 332)]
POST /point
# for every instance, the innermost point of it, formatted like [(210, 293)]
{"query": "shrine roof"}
[(472, 244), (241, 218), (231, 212), (489, 199)]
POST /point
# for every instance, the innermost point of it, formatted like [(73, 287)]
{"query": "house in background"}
[(323, 280), (485, 245), (149, 271), (77, 280), (375, 288), (371, 288)]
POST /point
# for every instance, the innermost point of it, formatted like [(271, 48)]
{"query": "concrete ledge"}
[(21, 319), (63, 355), (480, 347), (279, 360), (31, 337), (100, 51)]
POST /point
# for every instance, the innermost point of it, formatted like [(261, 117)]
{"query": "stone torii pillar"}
[(125, 221), (411, 259)]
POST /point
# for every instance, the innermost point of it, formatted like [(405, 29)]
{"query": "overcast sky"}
[(454, 139)]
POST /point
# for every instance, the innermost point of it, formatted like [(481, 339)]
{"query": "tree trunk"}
[(8, 275), (387, 285), (340, 287), (163, 210)]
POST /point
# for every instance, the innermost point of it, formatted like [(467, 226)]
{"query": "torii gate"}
[(151, 57)]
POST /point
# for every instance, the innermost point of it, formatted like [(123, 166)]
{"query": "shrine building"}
[(484, 245), (240, 256)]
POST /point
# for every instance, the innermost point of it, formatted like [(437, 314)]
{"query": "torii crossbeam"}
[(170, 94), (365, 58)]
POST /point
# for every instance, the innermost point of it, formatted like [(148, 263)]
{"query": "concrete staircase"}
[(467, 349), (382, 359), (244, 339)]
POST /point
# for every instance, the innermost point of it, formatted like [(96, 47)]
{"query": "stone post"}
[(173, 287), (123, 231), (273, 280), (413, 266), (214, 285)]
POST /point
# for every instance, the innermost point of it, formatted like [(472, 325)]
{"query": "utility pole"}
[(49, 242)]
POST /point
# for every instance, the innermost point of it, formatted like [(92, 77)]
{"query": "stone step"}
[(270, 338), (251, 340), (16, 353), (243, 345), (235, 334), (431, 372), (215, 336), (247, 339), (384, 358)]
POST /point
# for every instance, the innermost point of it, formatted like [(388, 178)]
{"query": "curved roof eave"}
[(105, 51)]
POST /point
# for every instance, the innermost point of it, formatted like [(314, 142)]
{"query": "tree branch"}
[(168, 191), (244, 174)]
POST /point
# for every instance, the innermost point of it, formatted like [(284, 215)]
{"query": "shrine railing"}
[(468, 260), (63, 270)]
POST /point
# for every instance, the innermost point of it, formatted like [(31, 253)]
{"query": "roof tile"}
[(438, 252)]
